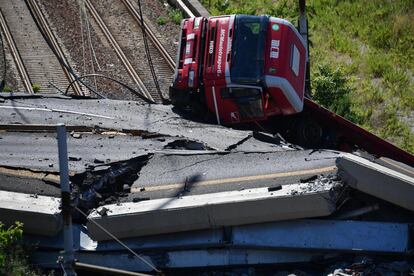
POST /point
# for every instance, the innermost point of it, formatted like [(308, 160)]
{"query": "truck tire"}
[(179, 98), (308, 133)]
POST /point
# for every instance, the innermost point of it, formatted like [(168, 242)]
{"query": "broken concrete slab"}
[(173, 175), (117, 115), (28, 182), (40, 215), (37, 151), (168, 215), (377, 180)]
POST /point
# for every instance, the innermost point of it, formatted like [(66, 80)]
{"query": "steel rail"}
[(183, 7), (16, 56), (121, 55), (58, 50), (161, 49)]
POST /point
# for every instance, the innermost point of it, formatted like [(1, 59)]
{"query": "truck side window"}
[(294, 60)]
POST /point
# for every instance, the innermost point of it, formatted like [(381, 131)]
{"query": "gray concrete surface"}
[(38, 151), (377, 180), (196, 212), (117, 115), (26, 182), (175, 175), (39, 214)]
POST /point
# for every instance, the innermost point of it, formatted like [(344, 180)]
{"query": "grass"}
[(176, 16), (6, 88), (372, 44), (161, 20), (36, 87)]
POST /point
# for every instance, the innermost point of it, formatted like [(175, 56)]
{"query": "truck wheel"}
[(178, 98), (308, 133)]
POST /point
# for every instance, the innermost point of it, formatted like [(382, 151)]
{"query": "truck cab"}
[(242, 68)]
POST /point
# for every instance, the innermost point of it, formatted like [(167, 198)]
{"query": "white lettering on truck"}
[(220, 51), (274, 48)]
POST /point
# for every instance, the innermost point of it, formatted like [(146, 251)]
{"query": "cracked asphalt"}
[(117, 115), (177, 175), (185, 157)]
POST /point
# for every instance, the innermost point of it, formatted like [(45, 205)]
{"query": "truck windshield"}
[(248, 49)]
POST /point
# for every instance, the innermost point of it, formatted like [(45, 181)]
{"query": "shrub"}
[(176, 16), (162, 20), (13, 259), (6, 88), (36, 87), (331, 89)]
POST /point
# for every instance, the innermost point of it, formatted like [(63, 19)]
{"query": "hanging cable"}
[(3, 81), (120, 242), (90, 42), (82, 34), (147, 51), (112, 79)]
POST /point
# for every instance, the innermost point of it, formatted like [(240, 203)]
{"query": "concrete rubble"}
[(185, 194)]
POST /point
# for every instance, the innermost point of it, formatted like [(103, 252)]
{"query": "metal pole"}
[(215, 105), (111, 271), (68, 255), (303, 30)]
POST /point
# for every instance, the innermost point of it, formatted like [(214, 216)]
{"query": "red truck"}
[(242, 68)]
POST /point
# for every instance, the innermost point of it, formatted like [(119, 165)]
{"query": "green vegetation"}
[(176, 16), (161, 20), (6, 88), (372, 42), (332, 90), (36, 87), (13, 259)]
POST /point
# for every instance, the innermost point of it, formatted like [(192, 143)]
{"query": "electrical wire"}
[(142, 97), (80, 2), (92, 51), (147, 51), (120, 242), (3, 81)]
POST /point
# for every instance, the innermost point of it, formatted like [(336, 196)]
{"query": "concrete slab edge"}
[(377, 180), (208, 211), (40, 215)]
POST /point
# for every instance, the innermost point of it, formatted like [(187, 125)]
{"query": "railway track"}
[(30, 51), (15, 54), (126, 40), (41, 20)]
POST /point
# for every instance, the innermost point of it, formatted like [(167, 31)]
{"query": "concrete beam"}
[(182, 259), (316, 235), (344, 236), (169, 215), (39, 214), (377, 180)]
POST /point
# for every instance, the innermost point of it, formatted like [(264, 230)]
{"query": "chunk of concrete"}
[(40, 215), (169, 215), (377, 180)]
